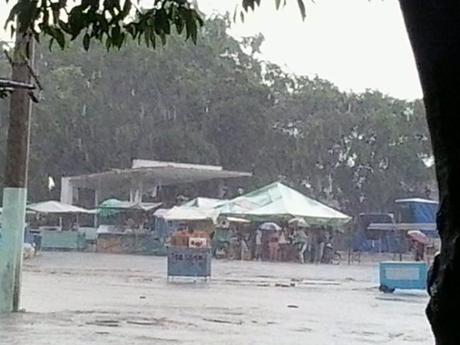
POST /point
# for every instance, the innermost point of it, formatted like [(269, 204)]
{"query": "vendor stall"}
[(189, 250), (126, 228), (189, 255), (60, 236)]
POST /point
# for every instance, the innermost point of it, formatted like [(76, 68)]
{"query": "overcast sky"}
[(356, 44)]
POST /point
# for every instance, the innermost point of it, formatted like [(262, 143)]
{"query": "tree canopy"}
[(114, 22), (111, 22), (216, 102)]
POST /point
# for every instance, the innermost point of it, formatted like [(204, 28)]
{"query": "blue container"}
[(189, 262), (403, 275)]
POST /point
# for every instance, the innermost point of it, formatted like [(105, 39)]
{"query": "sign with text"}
[(189, 262)]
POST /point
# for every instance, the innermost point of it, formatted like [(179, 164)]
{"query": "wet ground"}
[(74, 298)]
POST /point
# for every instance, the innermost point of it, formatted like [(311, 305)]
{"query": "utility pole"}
[(15, 181)]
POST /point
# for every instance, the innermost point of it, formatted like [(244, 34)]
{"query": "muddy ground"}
[(76, 298)]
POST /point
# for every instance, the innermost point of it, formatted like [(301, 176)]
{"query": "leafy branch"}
[(110, 22)]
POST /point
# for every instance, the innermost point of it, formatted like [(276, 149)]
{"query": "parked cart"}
[(189, 255)]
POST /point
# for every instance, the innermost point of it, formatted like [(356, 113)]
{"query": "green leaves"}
[(111, 22)]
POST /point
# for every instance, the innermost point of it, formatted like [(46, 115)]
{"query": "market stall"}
[(189, 255), (189, 249), (57, 224), (126, 228)]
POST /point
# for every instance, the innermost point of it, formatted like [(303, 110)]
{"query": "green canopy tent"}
[(111, 207), (277, 201)]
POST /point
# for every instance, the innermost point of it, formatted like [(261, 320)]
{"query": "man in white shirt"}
[(258, 252)]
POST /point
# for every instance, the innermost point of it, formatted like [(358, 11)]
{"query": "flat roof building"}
[(144, 177)]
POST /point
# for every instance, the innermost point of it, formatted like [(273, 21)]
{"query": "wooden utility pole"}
[(15, 181)]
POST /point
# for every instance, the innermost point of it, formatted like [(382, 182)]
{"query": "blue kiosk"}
[(403, 275)]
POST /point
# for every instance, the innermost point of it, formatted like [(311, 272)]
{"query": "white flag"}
[(51, 183)]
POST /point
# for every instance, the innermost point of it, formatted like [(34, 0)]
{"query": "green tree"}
[(229, 108)]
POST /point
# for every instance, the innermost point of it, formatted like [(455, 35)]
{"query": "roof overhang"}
[(154, 173), (402, 226)]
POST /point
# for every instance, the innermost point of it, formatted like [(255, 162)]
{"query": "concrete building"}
[(145, 177)]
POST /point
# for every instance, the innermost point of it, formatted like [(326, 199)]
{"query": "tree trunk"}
[(434, 32)]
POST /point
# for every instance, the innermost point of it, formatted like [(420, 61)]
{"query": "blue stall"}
[(379, 232), (418, 211)]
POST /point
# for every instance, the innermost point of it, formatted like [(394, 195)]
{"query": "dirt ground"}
[(76, 298)]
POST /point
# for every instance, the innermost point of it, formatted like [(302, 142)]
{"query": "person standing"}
[(420, 249), (245, 253), (258, 253), (321, 242), (273, 246), (283, 245)]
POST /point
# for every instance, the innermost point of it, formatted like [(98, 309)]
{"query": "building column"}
[(136, 192), (66, 190)]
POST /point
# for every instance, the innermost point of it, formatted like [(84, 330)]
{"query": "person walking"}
[(301, 241)]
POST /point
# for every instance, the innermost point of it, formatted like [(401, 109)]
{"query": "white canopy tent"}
[(205, 202), (187, 213), (57, 207)]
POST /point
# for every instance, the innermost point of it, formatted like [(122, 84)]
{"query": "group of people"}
[(287, 244)]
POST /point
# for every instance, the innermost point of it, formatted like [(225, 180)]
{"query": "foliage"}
[(216, 103), (111, 22)]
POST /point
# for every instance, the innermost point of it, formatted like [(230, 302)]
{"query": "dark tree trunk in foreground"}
[(434, 32)]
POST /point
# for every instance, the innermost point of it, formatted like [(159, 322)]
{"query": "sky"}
[(356, 44)]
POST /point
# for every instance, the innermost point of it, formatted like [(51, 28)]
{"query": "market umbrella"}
[(269, 226), (299, 222), (418, 236)]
